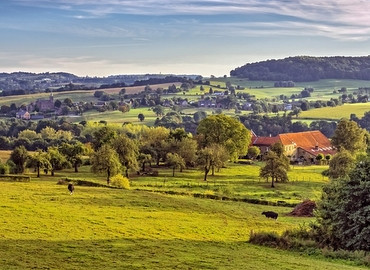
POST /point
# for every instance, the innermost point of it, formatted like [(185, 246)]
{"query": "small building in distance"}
[(43, 105), (23, 114)]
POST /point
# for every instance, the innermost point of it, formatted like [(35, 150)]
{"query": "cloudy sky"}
[(104, 37)]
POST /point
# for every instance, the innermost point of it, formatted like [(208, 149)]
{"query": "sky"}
[(208, 37)]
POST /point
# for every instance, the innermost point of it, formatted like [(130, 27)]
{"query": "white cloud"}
[(342, 19)]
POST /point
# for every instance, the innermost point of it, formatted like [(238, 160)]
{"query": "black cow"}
[(71, 188), (270, 214)]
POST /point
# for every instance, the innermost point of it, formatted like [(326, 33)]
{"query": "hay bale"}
[(304, 209)]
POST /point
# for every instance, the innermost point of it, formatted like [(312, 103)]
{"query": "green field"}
[(117, 117), (323, 88), (43, 227), (336, 113)]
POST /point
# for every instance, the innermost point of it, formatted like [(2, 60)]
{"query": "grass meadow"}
[(75, 96), (117, 117), (335, 113), (43, 227)]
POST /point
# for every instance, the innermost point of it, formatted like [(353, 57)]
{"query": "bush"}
[(4, 168), (120, 181)]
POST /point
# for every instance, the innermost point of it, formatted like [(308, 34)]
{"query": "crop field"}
[(4, 155), (336, 113)]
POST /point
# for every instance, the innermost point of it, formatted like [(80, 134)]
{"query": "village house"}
[(299, 147), (23, 114)]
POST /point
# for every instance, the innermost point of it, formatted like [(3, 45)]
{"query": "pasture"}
[(117, 117), (323, 89), (75, 96), (43, 227), (336, 113)]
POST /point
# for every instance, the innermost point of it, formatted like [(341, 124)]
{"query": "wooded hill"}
[(306, 68)]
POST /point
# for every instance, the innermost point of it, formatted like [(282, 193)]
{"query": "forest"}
[(306, 69)]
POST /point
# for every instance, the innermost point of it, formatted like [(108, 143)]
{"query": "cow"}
[(270, 214), (71, 188)]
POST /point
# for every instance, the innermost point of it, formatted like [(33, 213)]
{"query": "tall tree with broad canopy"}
[(39, 160), (128, 152), (349, 136), (226, 131), (154, 141), (106, 161), (56, 159), (73, 153)]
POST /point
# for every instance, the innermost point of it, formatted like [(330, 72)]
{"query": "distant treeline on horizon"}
[(306, 68)]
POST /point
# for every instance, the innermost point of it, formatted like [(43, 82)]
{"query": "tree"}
[(343, 212), (122, 92), (73, 153), (102, 136), (349, 136), (200, 115), (141, 117), (174, 161), (210, 157), (274, 168), (144, 159), (253, 152), (158, 110), (276, 165), (341, 164), (154, 141), (29, 134), (296, 111), (39, 160), (128, 152), (226, 131), (320, 157), (19, 157), (185, 148), (106, 161), (56, 159)]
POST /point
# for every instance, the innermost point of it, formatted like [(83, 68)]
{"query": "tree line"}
[(114, 149), (306, 68)]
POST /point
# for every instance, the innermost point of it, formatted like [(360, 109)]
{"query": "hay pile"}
[(304, 209)]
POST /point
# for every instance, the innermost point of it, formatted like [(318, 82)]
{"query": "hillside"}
[(306, 68)]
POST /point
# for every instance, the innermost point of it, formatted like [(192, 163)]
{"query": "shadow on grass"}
[(126, 253)]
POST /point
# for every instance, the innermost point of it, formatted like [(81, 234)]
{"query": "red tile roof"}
[(264, 141), (305, 139), (313, 142)]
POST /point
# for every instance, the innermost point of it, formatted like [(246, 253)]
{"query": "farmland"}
[(335, 113), (45, 227)]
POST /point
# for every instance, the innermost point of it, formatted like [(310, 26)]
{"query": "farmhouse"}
[(300, 146)]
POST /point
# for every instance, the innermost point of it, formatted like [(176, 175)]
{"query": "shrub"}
[(4, 168), (120, 181)]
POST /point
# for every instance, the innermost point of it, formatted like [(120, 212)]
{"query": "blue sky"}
[(106, 37)]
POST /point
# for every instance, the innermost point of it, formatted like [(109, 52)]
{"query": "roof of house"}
[(264, 141), (305, 139), (313, 142)]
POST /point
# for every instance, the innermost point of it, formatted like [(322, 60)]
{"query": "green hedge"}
[(15, 178)]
